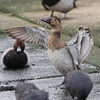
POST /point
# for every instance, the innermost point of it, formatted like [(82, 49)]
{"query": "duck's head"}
[(19, 46), (54, 22)]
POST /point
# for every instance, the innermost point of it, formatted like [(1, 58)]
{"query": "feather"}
[(80, 45), (29, 34)]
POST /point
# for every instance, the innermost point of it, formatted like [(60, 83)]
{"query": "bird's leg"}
[(74, 66), (52, 13), (61, 86), (65, 16), (78, 67)]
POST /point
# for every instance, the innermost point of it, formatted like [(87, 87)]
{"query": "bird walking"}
[(65, 56), (63, 6)]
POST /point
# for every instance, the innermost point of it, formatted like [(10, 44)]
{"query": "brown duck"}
[(65, 56)]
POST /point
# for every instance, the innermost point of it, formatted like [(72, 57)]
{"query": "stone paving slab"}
[(55, 93)]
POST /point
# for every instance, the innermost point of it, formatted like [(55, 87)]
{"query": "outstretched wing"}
[(80, 45), (29, 34)]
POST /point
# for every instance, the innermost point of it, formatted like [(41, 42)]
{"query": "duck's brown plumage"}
[(20, 44), (65, 56), (54, 42)]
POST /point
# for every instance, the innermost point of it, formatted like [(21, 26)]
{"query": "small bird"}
[(78, 84), (15, 57), (63, 6), (28, 91), (65, 56)]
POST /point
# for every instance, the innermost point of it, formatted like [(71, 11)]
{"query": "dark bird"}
[(78, 84), (15, 57), (63, 6), (28, 91), (65, 56)]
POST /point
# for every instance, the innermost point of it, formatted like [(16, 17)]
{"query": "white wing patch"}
[(80, 45)]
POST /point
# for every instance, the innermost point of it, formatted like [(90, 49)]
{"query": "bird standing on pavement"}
[(65, 56)]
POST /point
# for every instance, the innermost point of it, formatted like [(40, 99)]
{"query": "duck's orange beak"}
[(47, 20)]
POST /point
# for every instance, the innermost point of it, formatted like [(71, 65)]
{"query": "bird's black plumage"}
[(14, 59), (49, 3), (63, 6)]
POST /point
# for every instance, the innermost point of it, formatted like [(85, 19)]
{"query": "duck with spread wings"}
[(65, 56)]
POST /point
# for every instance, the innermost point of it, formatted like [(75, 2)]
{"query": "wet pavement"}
[(42, 73)]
